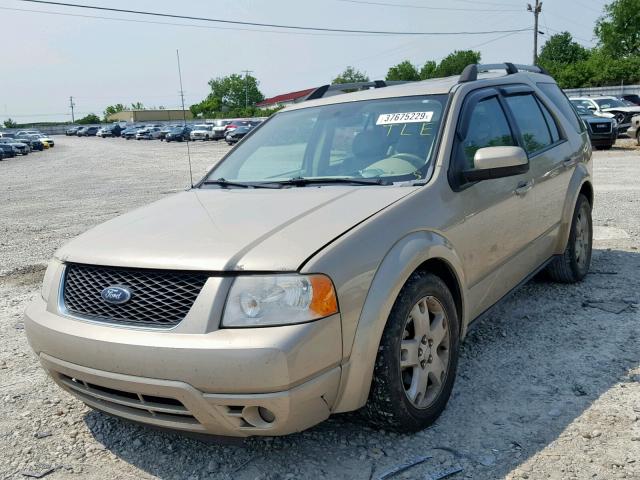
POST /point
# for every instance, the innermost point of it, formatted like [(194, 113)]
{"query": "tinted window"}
[(488, 127), (531, 122), (610, 103), (561, 101), (551, 123)]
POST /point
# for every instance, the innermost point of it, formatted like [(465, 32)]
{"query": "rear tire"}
[(417, 357), (573, 265)]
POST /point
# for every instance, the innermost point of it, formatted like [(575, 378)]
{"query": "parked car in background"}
[(634, 130), (28, 132), (46, 139), (235, 124), (202, 132), (178, 134), (8, 151), (610, 107), (633, 98), (88, 131), (34, 142), (149, 133), (218, 129), (72, 131), (237, 134), (166, 129), (130, 132), (19, 148), (603, 131)]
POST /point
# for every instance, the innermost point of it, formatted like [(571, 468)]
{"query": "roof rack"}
[(339, 88), (470, 72)]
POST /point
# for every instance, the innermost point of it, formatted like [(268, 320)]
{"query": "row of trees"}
[(614, 60)]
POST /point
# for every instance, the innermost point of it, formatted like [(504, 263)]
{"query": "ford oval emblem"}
[(116, 294)]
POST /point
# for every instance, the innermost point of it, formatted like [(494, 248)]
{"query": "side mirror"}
[(497, 162)]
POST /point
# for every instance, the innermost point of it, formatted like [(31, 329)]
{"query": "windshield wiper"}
[(302, 181), (226, 184)]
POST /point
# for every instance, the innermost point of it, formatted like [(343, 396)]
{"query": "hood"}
[(622, 109), (231, 229)]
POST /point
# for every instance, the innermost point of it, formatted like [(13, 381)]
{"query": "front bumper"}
[(211, 382)]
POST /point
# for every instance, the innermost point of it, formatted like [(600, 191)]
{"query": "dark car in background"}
[(603, 131), (130, 132), (72, 130), (178, 134), (237, 134), (632, 98), (166, 129), (18, 147), (7, 150), (88, 131), (33, 141)]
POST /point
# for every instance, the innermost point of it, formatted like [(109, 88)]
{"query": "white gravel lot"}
[(548, 385)]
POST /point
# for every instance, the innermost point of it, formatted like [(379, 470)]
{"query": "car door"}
[(495, 229), (551, 161)]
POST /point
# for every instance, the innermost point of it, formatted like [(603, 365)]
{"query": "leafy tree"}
[(403, 71), (113, 109), (137, 106), (560, 51), (351, 75), (91, 118), (8, 123), (600, 69), (235, 91), (428, 70), (454, 63), (618, 31)]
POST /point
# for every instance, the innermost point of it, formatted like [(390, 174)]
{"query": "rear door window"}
[(561, 101), (531, 123)]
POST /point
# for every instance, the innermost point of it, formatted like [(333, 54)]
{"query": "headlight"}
[(279, 300), (49, 279)]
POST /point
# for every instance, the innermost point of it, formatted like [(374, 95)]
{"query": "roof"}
[(285, 97)]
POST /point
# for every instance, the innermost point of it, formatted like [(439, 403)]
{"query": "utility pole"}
[(536, 13), (71, 104), (184, 112), (246, 87)]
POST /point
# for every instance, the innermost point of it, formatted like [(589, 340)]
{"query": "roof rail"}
[(470, 72), (339, 88)]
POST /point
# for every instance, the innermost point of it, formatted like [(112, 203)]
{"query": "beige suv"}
[(332, 261)]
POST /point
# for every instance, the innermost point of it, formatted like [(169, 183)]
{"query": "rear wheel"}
[(573, 265), (417, 357), (638, 136)]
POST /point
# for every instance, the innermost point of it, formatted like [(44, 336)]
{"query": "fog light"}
[(266, 414)]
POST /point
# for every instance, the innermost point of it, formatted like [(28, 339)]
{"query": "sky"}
[(48, 57)]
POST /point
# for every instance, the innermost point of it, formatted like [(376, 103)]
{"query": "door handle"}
[(523, 187)]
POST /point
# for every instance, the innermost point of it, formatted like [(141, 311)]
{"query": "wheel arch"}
[(580, 184), (418, 251)]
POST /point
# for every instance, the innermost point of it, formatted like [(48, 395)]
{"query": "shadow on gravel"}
[(527, 371)]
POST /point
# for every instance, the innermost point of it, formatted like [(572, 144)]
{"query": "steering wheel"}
[(414, 160)]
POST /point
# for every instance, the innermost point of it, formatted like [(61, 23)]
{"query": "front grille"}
[(158, 298), (601, 127), (140, 405)]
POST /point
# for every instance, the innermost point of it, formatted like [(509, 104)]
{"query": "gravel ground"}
[(548, 385)]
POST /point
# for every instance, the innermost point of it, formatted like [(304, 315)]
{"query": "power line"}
[(426, 7), (270, 25)]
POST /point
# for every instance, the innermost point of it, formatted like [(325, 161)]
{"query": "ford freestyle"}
[(331, 261)]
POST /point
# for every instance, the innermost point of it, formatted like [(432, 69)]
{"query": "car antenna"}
[(184, 118)]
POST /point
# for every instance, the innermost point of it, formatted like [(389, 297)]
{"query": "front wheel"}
[(417, 358), (573, 265)]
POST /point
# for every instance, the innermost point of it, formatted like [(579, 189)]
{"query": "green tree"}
[(403, 71), (235, 91), (137, 106), (112, 110), (454, 63), (351, 75), (8, 123), (91, 118), (429, 70), (559, 52), (618, 30)]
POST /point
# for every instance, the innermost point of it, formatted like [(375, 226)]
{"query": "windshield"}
[(610, 103), (386, 138)]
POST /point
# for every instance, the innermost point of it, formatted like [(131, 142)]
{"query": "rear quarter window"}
[(560, 100)]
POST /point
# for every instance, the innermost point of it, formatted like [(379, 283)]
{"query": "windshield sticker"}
[(405, 117)]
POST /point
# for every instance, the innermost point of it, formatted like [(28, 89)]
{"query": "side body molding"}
[(400, 262)]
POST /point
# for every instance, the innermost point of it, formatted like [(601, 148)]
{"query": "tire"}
[(573, 265), (389, 405), (638, 137)]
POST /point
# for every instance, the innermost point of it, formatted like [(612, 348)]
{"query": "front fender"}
[(399, 263)]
